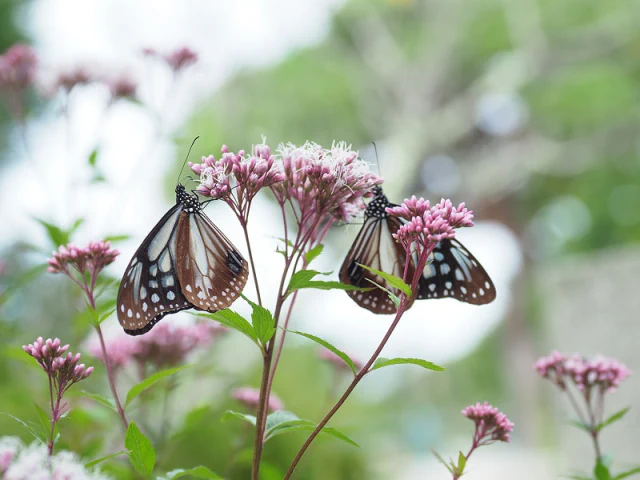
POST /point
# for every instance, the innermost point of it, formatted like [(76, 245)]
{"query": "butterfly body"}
[(184, 262), (451, 272)]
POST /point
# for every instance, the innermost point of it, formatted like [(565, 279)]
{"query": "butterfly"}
[(184, 262), (451, 272)]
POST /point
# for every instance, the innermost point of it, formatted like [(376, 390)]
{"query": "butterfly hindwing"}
[(212, 272), (150, 289), (453, 272), (374, 247)]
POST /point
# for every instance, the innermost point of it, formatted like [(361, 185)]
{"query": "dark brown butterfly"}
[(185, 262), (452, 271)]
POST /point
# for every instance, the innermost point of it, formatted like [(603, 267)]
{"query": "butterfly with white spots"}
[(451, 272), (184, 262)]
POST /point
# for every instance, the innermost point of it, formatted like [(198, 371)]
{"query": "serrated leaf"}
[(313, 253), (613, 418), (392, 280), (262, 321), (345, 358), (141, 453), (442, 461), (601, 472), (627, 473), (196, 472), (98, 461), (281, 416), (230, 414), (386, 362), (93, 157), (29, 428), (150, 381), (233, 320), (302, 278)]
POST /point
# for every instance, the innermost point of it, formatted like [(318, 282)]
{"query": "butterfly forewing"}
[(453, 272), (150, 289), (374, 247), (212, 272)]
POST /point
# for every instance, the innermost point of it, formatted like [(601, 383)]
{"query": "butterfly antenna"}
[(187, 158), (375, 149)]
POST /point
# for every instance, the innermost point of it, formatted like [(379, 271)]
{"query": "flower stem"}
[(347, 392), (245, 229), (112, 384)]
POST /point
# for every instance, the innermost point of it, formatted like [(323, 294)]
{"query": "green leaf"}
[(117, 238), (462, 462), (580, 425), (308, 426), (229, 414), (106, 315), (75, 226), (262, 320), (313, 253), (333, 285), (328, 346), (141, 453), (392, 280), (386, 362), (98, 461), (196, 472), (613, 418), (627, 473), (100, 399), (442, 461), (233, 320), (45, 422), (601, 472), (93, 156), (56, 235), (29, 428), (301, 278), (149, 382)]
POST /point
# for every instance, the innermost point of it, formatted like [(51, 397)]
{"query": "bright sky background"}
[(50, 180)]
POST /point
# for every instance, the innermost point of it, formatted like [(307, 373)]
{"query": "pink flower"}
[(18, 67), (91, 259), (63, 370), (67, 80), (177, 60), (325, 182), (9, 447), (122, 86), (602, 373), (428, 225), (491, 424), (250, 397), (338, 363), (167, 345), (237, 177)]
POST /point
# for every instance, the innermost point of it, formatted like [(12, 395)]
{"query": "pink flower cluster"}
[(64, 370), (491, 424), (177, 60), (9, 447), (90, 259), (338, 363), (247, 174), (68, 79), (166, 345), (250, 397), (121, 86), (325, 182), (600, 372), (18, 67), (428, 225)]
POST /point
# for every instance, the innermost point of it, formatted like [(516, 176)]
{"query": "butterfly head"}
[(377, 207), (190, 202)]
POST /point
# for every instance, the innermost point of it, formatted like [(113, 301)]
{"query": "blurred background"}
[(527, 110)]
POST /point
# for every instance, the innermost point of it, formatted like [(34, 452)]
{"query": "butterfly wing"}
[(376, 248), (212, 272), (455, 273), (149, 289)]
